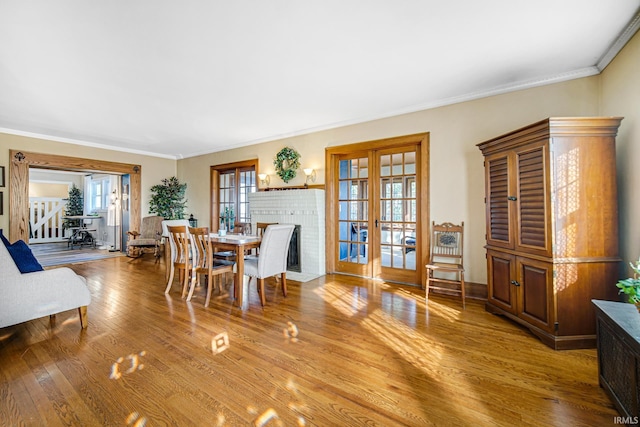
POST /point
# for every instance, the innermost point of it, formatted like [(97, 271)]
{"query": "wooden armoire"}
[(552, 226)]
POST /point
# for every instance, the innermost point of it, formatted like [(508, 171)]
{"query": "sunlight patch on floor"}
[(421, 351), (112, 302), (341, 298), (432, 358), (443, 310)]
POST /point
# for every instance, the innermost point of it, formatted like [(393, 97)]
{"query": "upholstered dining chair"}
[(446, 256), (180, 257), (272, 258), (149, 237), (260, 228), (203, 261)]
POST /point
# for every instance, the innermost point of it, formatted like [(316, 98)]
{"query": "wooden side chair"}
[(180, 257), (272, 260), (204, 263), (446, 256)]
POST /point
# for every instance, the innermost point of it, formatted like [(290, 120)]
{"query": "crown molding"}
[(498, 90), (620, 42), (84, 143)]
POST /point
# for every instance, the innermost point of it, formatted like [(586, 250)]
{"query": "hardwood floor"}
[(338, 351), (58, 253)]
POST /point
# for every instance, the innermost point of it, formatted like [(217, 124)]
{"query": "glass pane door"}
[(376, 233), (398, 215), (227, 198), (247, 185), (353, 215)]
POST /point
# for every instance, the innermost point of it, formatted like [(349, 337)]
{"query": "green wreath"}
[(287, 162)]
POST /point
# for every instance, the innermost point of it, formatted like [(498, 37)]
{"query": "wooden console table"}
[(618, 341)]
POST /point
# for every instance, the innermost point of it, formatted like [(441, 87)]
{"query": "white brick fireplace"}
[(299, 207)]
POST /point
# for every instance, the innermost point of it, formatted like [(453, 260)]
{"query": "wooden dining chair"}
[(446, 256), (180, 257), (204, 263), (260, 228), (167, 243), (272, 260)]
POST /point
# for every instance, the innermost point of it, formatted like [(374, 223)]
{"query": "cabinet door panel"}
[(498, 206), (532, 230), (536, 292), (501, 269)]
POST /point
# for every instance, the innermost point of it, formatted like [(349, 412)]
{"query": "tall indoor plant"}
[(74, 207), (168, 199)]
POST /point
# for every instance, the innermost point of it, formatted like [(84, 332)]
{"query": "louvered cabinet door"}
[(532, 199), (499, 187)]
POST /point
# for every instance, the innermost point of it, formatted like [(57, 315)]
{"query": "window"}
[(99, 191), (230, 187)]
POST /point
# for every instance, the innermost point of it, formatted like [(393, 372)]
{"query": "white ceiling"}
[(182, 78)]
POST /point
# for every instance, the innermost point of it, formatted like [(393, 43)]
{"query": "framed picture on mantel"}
[(1, 176)]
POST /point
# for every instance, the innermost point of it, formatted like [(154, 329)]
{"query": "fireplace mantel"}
[(300, 207)]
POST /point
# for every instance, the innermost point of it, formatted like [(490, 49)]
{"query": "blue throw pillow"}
[(22, 255), (4, 239)]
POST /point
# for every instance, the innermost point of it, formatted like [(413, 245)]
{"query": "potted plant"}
[(167, 199), (227, 219), (631, 286)]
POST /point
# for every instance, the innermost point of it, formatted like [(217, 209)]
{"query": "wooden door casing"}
[(19, 166), (421, 141)]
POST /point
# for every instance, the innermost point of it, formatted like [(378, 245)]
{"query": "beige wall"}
[(153, 168), (457, 181), (621, 97), (43, 183), (42, 189), (457, 174)]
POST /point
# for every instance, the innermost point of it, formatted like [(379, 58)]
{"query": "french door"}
[(231, 184), (377, 211)]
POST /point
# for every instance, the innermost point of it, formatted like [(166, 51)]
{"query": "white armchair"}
[(28, 296)]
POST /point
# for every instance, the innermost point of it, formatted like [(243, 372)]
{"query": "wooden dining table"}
[(239, 244)]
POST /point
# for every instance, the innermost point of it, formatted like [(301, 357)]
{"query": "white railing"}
[(45, 218)]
